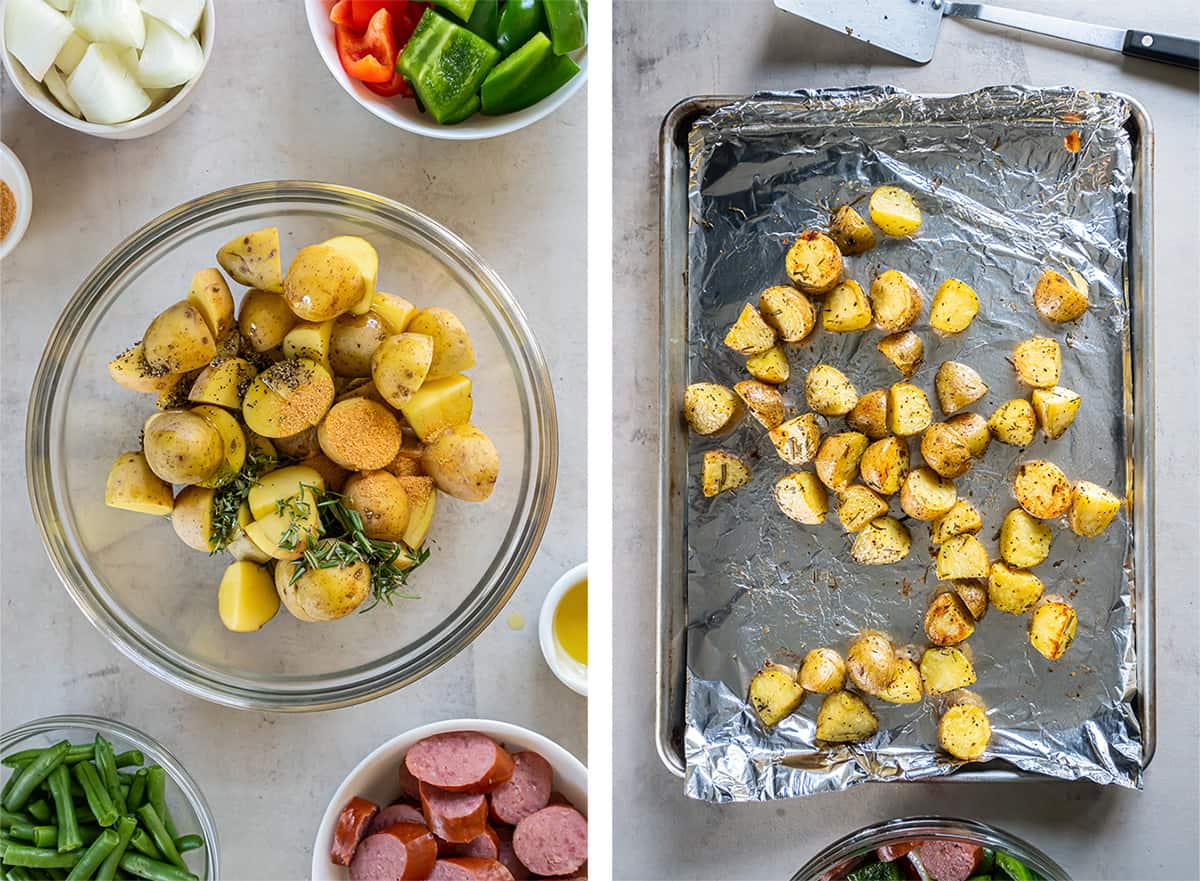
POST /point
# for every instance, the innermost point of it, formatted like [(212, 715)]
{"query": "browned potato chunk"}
[(973, 593), (710, 408), (926, 495), (954, 307), (463, 462), (964, 731), (801, 496), (961, 519), (906, 686), (764, 402), (871, 661), (796, 439), (721, 472), (846, 308), (908, 409), (1052, 628), (945, 669), (903, 349), (837, 459), (353, 340), (179, 340), (132, 486), (822, 671), (381, 502), (750, 335), (253, 260), (814, 263), (957, 386), (774, 694), (1092, 509), (945, 451), (884, 465), (131, 370), (895, 211), (858, 506), (973, 429), (1043, 490), (771, 366), (265, 319), (1038, 362), (1055, 409), (845, 718), (880, 542), (1058, 299), (962, 557), (1013, 590), (210, 295), (948, 620), (870, 414), (1014, 423), (1024, 540), (896, 301), (850, 232), (788, 311), (829, 392)]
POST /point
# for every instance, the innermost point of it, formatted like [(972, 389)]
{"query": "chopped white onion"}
[(34, 32), (110, 21), (183, 16), (129, 57), (104, 88), (168, 59), (62, 5), (71, 54), (58, 88)]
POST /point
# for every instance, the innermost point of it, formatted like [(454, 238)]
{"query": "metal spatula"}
[(910, 27)]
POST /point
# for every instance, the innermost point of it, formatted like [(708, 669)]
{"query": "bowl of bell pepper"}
[(454, 69)]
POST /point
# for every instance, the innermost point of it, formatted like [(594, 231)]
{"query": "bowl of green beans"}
[(88, 798)]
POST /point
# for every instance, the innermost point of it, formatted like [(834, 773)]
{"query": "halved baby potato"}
[(437, 405), (958, 385), (908, 409), (422, 502), (264, 319), (309, 339), (401, 365), (850, 232), (233, 442), (771, 366), (281, 485), (722, 471), (710, 408), (822, 671), (1024, 540), (1052, 628), (954, 306), (944, 450), (322, 283), (1059, 299), (814, 263), (253, 260), (857, 506), (871, 661), (945, 669), (1013, 590), (964, 731), (837, 460), (183, 447), (948, 621), (210, 295), (132, 486), (463, 462), (1092, 509), (973, 592), (845, 718), (789, 312), (774, 693), (353, 341), (801, 496), (764, 402), (828, 391), (131, 370), (1043, 490), (192, 518), (905, 350), (884, 465), (896, 301), (395, 312), (894, 211), (962, 557), (962, 519), (381, 503), (361, 253), (287, 398), (452, 349), (926, 495), (797, 439), (246, 599), (178, 340), (223, 382), (1038, 362), (869, 414), (973, 429), (882, 541), (359, 435), (1014, 423), (846, 308), (750, 334), (906, 686), (1056, 409)]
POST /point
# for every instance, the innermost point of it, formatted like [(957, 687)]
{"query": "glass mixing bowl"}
[(155, 598), (188, 807), (835, 858)]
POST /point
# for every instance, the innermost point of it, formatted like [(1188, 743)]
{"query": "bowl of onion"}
[(115, 69)]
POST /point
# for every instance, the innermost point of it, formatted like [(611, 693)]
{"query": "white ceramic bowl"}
[(36, 95), (569, 671), (403, 113), (12, 172), (376, 777)]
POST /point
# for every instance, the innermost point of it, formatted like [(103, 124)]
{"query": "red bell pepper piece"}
[(362, 11), (370, 57), (341, 14), (398, 85)]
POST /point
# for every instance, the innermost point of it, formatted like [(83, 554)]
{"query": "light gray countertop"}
[(266, 109), (666, 51)]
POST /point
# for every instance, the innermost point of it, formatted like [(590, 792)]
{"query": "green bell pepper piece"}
[(446, 65), (550, 76), (987, 863), (509, 78), (519, 20), (461, 9), (568, 25), (1013, 867), (462, 114), (875, 872), (485, 20)]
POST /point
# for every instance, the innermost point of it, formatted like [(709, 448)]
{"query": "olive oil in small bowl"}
[(563, 629)]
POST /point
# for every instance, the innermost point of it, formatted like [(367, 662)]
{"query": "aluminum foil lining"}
[(1004, 195)]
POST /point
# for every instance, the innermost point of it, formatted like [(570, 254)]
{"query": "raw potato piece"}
[(894, 211), (858, 506), (353, 341), (945, 669), (948, 620), (179, 340), (438, 405), (962, 557), (904, 349), (1052, 629), (253, 260), (210, 295), (846, 308), (957, 386), (233, 443), (906, 686), (1024, 540), (422, 502), (132, 486), (771, 366), (871, 661), (182, 447), (774, 694), (845, 718), (954, 307), (764, 402), (1013, 590), (750, 335), (322, 283), (908, 409), (850, 232), (944, 450), (882, 541), (829, 392), (323, 594), (395, 312), (722, 471), (1092, 509), (896, 301), (926, 495), (814, 263), (796, 439), (1043, 490), (401, 365), (381, 502), (788, 311), (359, 435), (884, 465), (1014, 423), (223, 383), (1058, 299), (710, 408), (131, 370), (973, 429), (247, 598), (822, 671), (452, 349), (359, 252), (964, 731), (974, 594), (287, 398), (264, 319), (1056, 409), (837, 459), (801, 496), (962, 519), (1038, 362), (280, 485), (870, 414), (463, 462), (310, 340)]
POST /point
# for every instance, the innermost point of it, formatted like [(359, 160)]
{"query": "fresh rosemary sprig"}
[(229, 498)]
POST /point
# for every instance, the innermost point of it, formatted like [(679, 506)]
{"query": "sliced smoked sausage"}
[(393, 814), (460, 761), (553, 841), (469, 869), (404, 852), (408, 783), (526, 792), (950, 860), (456, 817), (352, 825), (508, 857), (486, 845)]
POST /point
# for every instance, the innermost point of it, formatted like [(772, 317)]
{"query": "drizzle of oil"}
[(571, 622), (516, 621)]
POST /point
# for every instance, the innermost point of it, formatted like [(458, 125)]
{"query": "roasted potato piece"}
[(178, 340), (1013, 590), (788, 311), (964, 731), (954, 306), (464, 463), (1058, 299), (771, 366), (944, 669), (381, 502), (1055, 409), (957, 386), (183, 447), (881, 541), (360, 435), (774, 694), (209, 294), (973, 593), (837, 459), (871, 661), (870, 414), (359, 252), (926, 495), (1024, 540), (722, 471), (750, 334), (764, 402), (353, 341), (814, 263), (904, 349), (884, 465), (948, 621), (896, 301), (828, 391), (906, 686), (1038, 362), (1052, 628), (961, 519), (822, 671), (438, 405), (846, 308), (909, 412), (945, 451), (710, 408), (287, 398), (850, 232), (280, 485), (1043, 490), (974, 431), (961, 557), (1092, 509), (264, 319), (322, 283), (452, 349), (192, 518), (894, 211), (253, 260), (858, 506), (801, 496), (323, 594), (401, 365), (1014, 423), (422, 502), (131, 370), (132, 486), (796, 439), (223, 382), (246, 599), (845, 718)]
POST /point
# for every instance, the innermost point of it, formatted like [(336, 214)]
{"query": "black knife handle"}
[(1180, 51)]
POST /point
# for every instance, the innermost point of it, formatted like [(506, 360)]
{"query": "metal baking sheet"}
[(740, 583)]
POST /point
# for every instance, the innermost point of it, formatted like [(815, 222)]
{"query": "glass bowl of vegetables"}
[(160, 601), (131, 804), (454, 69), (930, 848)]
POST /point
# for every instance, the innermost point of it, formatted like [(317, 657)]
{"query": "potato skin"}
[(974, 595), (964, 731), (896, 301), (401, 365), (1013, 590), (954, 307), (1043, 490), (210, 295), (722, 471), (850, 232), (845, 718), (1092, 509), (957, 385), (182, 447), (884, 465), (944, 450), (814, 263), (252, 260), (750, 334), (894, 211), (973, 429), (132, 486), (131, 370), (837, 460), (846, 309), (452, 349), (1038, 362), (323, 594), (265, 319), (1014, 423), (1053, 626), (223, 383), (463, 462), (774, 694), (797, 439), (178, 340), (948, 621), (353, 340), (192, 518), (869, 414), (962, 557), (710, 408), (962, 519), (823, 671), (322, 284), (828, 391), (905, 350), (801, 496), (764, 402), (906, 686), (882, 541), (789, 312), (871, 661), (1058, 299), (381, 502), (926, 495), (1024, 540)]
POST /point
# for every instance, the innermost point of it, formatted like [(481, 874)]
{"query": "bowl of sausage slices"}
[(462, 800)]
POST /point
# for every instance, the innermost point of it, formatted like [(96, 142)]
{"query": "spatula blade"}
[(905, 27)]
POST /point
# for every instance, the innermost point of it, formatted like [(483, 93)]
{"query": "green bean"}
[(9, 818), (89, 833), (39, 810), (18, 873), (144, 867), (41, 836), (34, 773), (99, 798), (184, 843), (137, 791), (75, 753), (130, 758), (68, 826), (144, 843), (156, 794), (55, 874), (38, 857), (5, 841), (162, 839), (108, 869), (106, 764), (83, 813), (94, 856)]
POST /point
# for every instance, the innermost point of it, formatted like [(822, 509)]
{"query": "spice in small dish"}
[(8, 210)]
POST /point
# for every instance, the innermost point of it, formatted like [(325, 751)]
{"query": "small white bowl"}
[(376, 777), (36, 95), (403, 113), (569, 671), (12, 172)]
